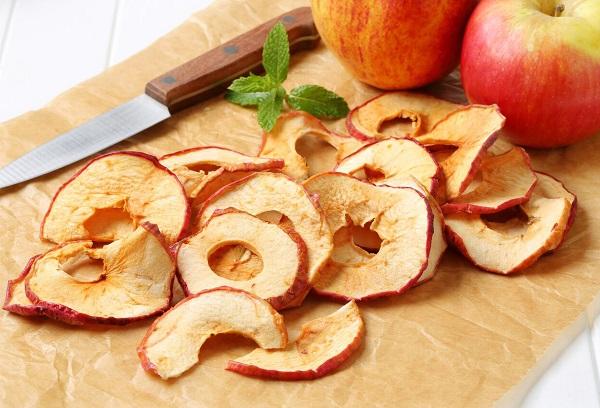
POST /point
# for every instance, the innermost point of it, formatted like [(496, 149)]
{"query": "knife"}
[(195, 80)]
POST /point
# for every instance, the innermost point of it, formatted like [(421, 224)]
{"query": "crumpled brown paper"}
[(465, 339)]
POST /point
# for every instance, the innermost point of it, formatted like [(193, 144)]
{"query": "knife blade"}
[(194, 81)]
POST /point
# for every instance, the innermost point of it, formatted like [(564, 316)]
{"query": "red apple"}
[(394, 44), (539, 61)]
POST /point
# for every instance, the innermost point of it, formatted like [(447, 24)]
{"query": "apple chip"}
[(282, 251), (112, 195), (262, 193), (306, 145), (401, 216), (393, 162), (16, 300), (172, 343), (197, 166), (323, 345), (127, 280), (421, 111), (472, 130), (514, 239), (504, 181)]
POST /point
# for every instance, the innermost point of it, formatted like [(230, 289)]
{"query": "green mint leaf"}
[(318, 101), (276, 54), (270, 108), (246, 98), (252, 83)]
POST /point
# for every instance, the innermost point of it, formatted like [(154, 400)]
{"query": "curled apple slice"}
[(172, 343), (124, 281), (306, 145), (262, 193), (422, 112), (514, 239), (471, 130), (282, 251), (197, 166), (504, 181), (16, 301), (323, 345), (393, 162), (401, 216), (112, 195)]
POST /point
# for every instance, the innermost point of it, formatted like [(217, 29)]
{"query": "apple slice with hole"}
[(393, 162), (16, 301), (172, 343), (472, 130), (127, 280), (113, 194), (503, 181), (401, 216), (197, 166), (417, 114), (322, 346), (306, 145), (514, 239), (283, 273), (265, 193)]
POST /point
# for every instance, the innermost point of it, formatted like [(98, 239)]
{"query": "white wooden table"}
[(47, 46)]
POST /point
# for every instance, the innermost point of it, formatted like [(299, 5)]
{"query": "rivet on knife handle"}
[(213, 71)]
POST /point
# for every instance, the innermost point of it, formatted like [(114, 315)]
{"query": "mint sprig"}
[(268, 95)]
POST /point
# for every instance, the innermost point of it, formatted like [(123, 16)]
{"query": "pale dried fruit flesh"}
[(283, 253), (172, 343), (16, 300), (306, 145), (323, 345), (261, 193), (472, 130), (197, 166), (513, 240), (124, 281), (403, 219), (112, 195), (419, 112), (504, 181), (394, 162)]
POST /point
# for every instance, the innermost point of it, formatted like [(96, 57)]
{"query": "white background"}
[(48, 46)]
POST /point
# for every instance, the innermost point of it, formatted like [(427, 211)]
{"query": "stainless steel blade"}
[(97, 134)]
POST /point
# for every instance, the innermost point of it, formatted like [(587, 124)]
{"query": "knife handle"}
[(210, 73)]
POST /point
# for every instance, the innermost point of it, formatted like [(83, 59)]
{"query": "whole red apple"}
[(540, 62), (394, 44)]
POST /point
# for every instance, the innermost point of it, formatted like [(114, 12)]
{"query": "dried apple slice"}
[(197, 166), (127, 280), (16, 300), (283, 253), (513, 240), (422, 111), (112, 195), (262, 193), (401, 216), (172, 343), (504, 181), (323, 345), (393, 162), (472, 130), (306, 145)]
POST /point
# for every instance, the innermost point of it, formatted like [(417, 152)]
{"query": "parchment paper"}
[(465, 339)]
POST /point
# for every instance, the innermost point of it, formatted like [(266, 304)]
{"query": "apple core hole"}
[(320, 155), (405, 124), (84, 269), (203, 167), (364, 237), (512, 221), (274, 217), (235, 261), (109, 224)]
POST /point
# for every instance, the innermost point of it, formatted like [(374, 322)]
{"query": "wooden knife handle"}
[(210, 73)]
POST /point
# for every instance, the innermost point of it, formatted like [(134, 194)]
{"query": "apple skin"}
[(394, 44), (542, 71)]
